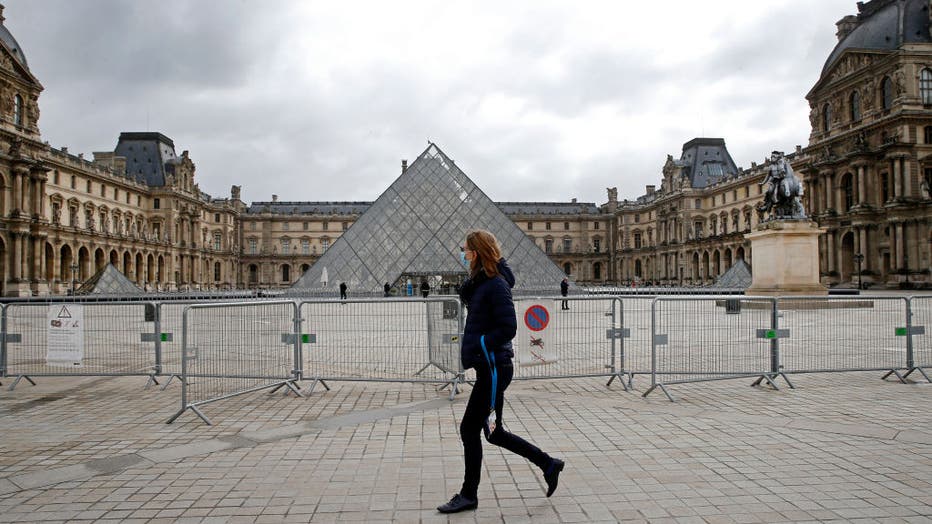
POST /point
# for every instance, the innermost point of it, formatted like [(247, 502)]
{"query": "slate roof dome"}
[(7, 38), (882, 25)]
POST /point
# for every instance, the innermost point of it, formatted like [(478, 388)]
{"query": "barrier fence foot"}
[(921, 372), (894, 372), (310, 389), (454, 384), (665, 392), (152, 380), (196, 411), (291, 387), (786, 378), (21, 377), (170, 378), (768, 379), (621, 380)]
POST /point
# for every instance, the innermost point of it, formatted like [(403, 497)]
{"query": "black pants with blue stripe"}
[(471, 428)]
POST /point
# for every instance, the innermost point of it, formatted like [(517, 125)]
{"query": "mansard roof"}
[(885, 25), (706, 161), (548, 208), (309, 208), (149, 156)]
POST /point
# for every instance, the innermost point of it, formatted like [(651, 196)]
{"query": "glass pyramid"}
[(414, 231), (737, 277), (108, 281)]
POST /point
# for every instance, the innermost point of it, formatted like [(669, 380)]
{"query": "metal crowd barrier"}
[(78, 339), (388, 340), (236, 348), (635, 354), (834, 334), (919, 349), (583, 340), (704, 338)]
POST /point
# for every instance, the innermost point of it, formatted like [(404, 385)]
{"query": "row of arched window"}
[(886, 98)]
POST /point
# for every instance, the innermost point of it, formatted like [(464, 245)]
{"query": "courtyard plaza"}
[(844, 447)]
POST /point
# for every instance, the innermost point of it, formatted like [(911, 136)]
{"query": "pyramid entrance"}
[(415, 230)]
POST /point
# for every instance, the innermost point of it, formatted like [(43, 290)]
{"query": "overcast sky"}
[(320, 100)]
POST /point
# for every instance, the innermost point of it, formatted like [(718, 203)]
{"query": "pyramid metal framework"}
[(737, 277), (416, 228), (108, 281)]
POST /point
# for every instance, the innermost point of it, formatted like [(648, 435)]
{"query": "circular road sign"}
[(536, 317)]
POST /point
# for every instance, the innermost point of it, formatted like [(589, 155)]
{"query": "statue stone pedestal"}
[(786, 258)]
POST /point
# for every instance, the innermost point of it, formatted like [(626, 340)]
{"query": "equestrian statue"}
[(782, 199)]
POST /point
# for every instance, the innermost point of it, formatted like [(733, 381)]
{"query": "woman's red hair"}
[(487, 252)]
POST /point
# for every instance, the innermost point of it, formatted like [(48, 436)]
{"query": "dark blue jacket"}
[(490, 312)]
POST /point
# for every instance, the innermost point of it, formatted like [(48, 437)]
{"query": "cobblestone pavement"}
[(838, 447)]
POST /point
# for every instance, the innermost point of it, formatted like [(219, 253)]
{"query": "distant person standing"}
[(425, 288), (486, 346), (565, 290), (388, 289), (342, 290)]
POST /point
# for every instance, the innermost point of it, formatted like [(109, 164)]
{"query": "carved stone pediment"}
[(849, 63)]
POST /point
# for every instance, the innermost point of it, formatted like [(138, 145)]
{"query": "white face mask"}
[(463, 259)]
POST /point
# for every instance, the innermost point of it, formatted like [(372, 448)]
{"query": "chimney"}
[(404, 166), (650, 189), (274, 198), (845, 26), (64, 149), (573, 201)]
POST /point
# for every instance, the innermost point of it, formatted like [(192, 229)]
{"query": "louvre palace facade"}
[(867, 171)]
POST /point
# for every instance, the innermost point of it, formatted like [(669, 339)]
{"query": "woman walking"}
[(490, 326)]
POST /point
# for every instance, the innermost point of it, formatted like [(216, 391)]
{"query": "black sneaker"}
[(458, 503), (552, 475)]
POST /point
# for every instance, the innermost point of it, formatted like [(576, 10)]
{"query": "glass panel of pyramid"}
[(414, 230)]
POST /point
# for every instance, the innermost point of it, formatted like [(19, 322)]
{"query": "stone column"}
[(863, 248), (16, 256), (897, 182), (906, 169), (828, 190), (830, 251), (38, 259), (898, 228), (862, 190), (17, 190)]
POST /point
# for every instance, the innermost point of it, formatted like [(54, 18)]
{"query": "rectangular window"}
[(285, 226), (305, 246), (217, 217), (88, 186), (286, 246), (595, 225), (548, 246), (325, 243), (74, 182), (116, 193), (56, 178), (637, 219), (307, 225), (530, 226), (326, 225), (156, 203), (596, 245), (138, 200), (218, 241), (566, 226), (697, 204), (253, 246), (127, 197), (103, 190), (567, 245), (217, 272), (547, 226), (747, 191), (637, 241), (345, 226)]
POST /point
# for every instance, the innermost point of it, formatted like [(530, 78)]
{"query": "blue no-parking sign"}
[(536, 317)]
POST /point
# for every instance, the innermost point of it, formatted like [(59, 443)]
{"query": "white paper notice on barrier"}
[(65, 335), (530, 342)]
